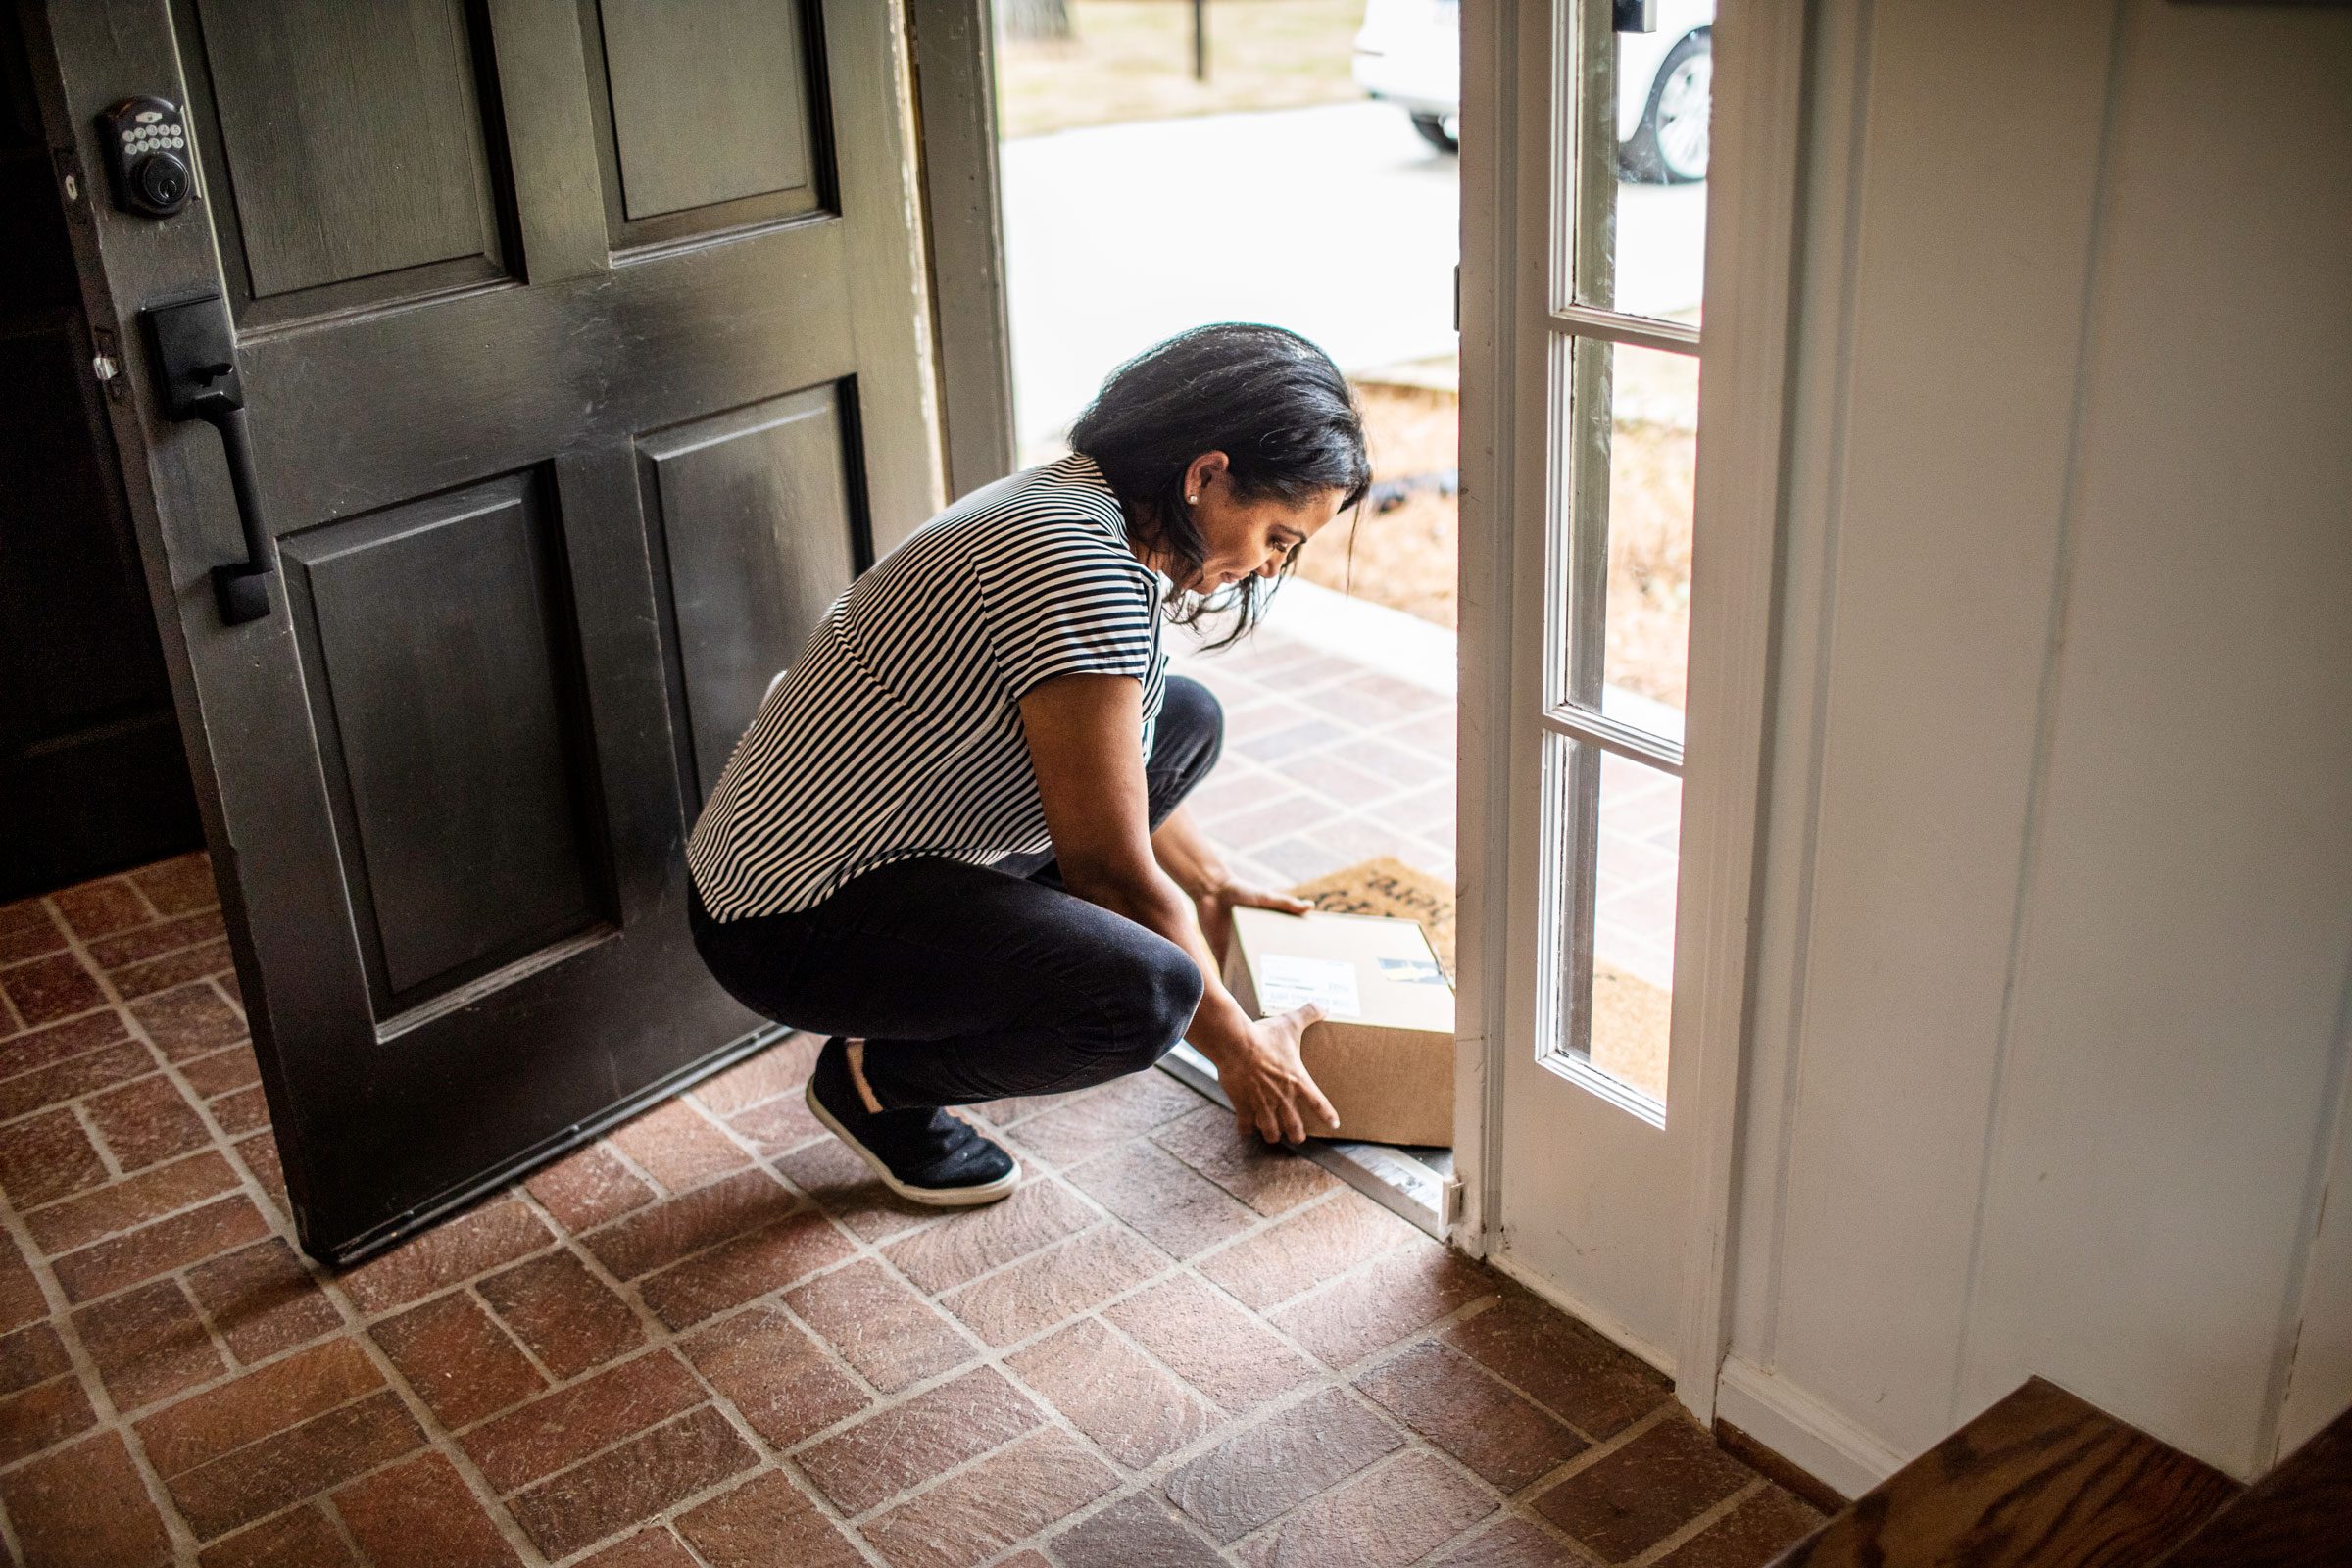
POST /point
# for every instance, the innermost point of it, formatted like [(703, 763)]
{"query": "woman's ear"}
[(1202, 470)]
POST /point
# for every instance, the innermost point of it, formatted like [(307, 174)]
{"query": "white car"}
[(1409, 53)]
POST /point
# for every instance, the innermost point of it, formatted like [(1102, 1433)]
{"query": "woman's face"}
[(1246, 537)]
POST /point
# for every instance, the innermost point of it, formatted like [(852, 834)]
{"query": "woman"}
[(954, 840)]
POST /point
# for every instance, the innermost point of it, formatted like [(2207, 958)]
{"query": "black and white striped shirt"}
[(898, 733)]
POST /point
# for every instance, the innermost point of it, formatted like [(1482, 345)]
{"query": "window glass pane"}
[(1621, 590), (1641, 164), (1615, 938)]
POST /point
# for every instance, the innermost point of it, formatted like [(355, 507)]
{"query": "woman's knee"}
[(1187, 739), (1161, 992)]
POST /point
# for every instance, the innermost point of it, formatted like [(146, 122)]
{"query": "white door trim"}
[(1751, 226)]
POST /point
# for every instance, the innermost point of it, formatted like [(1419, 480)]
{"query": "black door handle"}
[(196, 360)]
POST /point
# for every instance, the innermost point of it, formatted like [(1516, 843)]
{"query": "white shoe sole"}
[(930, 1196)]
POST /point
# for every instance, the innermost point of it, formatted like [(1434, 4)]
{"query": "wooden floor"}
[(711, 1339)]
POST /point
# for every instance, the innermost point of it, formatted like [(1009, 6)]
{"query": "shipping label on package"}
[(1286, 981)]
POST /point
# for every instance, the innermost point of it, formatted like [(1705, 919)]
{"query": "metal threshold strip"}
[(1409, 1182)]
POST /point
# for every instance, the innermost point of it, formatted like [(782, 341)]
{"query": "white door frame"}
[(1507, 195)]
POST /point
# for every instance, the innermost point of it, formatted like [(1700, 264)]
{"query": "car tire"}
[(1433, 131), (1670, 145)]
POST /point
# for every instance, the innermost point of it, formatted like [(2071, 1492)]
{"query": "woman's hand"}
[(1268, 1085), (1216, 906)]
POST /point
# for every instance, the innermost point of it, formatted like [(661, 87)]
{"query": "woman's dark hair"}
[(1272, 402)]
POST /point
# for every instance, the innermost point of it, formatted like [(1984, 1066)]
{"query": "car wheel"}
[(1434, 132), (1670, 145)]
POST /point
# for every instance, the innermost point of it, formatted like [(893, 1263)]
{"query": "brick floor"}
[(710, 1341)]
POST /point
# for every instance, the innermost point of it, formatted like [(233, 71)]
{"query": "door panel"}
[(360, 147), (440, 647), (760, 533), (544, 529)]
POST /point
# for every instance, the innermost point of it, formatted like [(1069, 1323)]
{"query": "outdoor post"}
[(1200, 40)]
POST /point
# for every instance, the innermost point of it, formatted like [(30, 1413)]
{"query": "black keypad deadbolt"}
[(147, 156)]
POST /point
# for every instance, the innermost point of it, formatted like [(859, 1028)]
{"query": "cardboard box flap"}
[(1361, 968)]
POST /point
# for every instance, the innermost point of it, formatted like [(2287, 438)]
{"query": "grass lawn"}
[(1133, 60)]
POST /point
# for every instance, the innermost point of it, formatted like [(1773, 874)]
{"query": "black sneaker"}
[(926, 1156)]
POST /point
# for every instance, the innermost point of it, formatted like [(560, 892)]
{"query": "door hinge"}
[(1457, 296), (1449, 1200)]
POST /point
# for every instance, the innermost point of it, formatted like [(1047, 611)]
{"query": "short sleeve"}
[(1066, 600)]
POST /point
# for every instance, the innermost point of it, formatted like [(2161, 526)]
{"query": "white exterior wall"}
[(2053, 972)]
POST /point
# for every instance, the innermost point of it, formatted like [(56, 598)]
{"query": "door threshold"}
[(1408, 1181)]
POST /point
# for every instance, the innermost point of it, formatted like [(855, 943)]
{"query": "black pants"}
[(972, 983)]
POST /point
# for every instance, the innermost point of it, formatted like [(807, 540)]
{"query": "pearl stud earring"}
[(1192, 501)]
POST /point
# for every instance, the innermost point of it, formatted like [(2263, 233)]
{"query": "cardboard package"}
[(1384, 1054)]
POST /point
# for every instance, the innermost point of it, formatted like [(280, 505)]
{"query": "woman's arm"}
[(1085, 735), (1184, 852)]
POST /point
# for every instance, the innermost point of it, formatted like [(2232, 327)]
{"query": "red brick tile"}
[(75, 1076), (881, 1327), (46, 1157), (22, 1300), (261, 1157), (1061, 1282), (778, 1070), (62, 1042), (654, 1548), (32, 1355), (180, 885), (1213, 1345), (1134, 1410), (1395, 1516), (262, 1301), (1044, 1478), (1626, 1503), (223, 1072), (135, 1201), (322, 1452), (909, 1444), (973, 1242), (1751, 1536), (189, 1020), (655, 1236), (1178, 1209), (147, 1120), (587, 1188), (735, 1271), (563, 1427), (284, 1393), (28, 932), (1270, 1180), (1401, 1294), (43, 1417), (773, 1372), (48, 989), (160, 1248), (1513, 1543), (299, 1538), (1265, 1470), (1136, 1531), (1563, 1367), (844, 1187), (1446, 1398), (1102, 1118), (765, 1523), (420, 1515), (457, 1249), (1310, 1246), (631, 1483), (145, 942), (462, 1364), (679, 1147), (565, 1315), (86, 1507), (148, 1344), (171, 970), (780, 1125), (242, 1112)]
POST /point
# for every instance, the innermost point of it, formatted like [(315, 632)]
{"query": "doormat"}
[(1630, 1015)]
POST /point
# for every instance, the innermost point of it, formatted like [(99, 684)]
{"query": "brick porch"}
[(707, 1340)]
